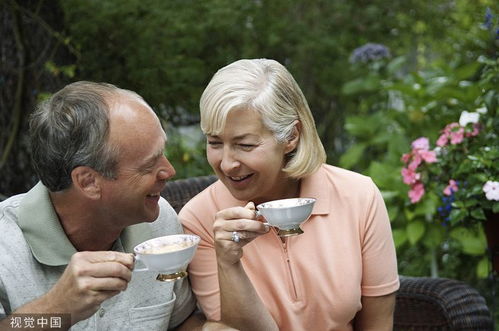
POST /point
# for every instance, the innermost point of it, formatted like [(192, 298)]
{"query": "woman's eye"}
[(214, 143), (246, 146)]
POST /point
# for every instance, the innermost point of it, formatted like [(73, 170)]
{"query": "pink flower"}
[(429, 156), (416, 192), (475, 131), (406, 157), (443, 139), (451, 188), (421, 143), (416, 161), (456, 137), (410, 176)]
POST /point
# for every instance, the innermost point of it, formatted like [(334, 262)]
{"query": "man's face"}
[(142, 168)]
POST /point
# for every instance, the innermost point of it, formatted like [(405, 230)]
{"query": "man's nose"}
[(167, 170)]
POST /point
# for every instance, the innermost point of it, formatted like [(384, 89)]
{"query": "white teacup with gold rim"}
[(287, 214), (167, 255)]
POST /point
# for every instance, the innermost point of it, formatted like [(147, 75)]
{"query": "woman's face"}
[(248, 160)]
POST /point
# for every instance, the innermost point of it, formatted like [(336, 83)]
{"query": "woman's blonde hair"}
[(267, 87)]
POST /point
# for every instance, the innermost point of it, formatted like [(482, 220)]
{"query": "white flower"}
[(467, 117), (491, 190)]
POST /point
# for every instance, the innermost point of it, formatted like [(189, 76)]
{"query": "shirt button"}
[(101, 312)]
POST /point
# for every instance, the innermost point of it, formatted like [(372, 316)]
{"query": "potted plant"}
[(460, 173)]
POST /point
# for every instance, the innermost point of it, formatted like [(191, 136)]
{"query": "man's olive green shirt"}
[(34, 251)]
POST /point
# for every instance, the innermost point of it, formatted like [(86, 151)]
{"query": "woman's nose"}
[(229, 161)]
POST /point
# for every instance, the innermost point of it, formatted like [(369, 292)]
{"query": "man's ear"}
[(86, 181), (293, 140)]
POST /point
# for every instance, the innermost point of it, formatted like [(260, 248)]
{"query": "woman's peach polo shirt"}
[(314, 280)]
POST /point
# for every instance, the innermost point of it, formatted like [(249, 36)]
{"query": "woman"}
[(341, 273)]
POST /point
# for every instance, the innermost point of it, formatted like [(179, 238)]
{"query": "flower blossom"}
[(410, 176), (491, 189), (451, 188), (416, 192), (429, 156), (467, 117), (420, 152), (369, 52), (421, 143), (453, 132)]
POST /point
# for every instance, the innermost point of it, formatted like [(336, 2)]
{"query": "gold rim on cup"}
[(171, 277)]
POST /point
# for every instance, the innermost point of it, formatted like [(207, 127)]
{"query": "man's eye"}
[(147, 169)]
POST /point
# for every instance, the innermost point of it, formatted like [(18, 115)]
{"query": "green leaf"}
[(409, 214), (399, 237), (471, 243), (396, 64), (364, 84), (495, 207), (360, 126), (393, 212), (482, 268), (434, 235), (470, 203), (428, 206), (457, 215), (478, 214), (383, 174), (352, 156), (415, 231), (466, 71)]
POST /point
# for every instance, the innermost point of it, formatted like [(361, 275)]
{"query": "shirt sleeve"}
[(203, 268), (379, 261)]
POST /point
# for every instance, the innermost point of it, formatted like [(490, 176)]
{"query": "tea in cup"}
[(167, 255), (287, 214)]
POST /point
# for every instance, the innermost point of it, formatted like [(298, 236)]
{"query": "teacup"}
[(167, 255), (287, 214)]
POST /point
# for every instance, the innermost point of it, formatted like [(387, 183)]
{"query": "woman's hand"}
[(236, 219)]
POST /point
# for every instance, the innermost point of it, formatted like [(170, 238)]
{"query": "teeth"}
[(238, 178), (153, 195)]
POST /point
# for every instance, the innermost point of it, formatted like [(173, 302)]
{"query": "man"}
[(66, 244)]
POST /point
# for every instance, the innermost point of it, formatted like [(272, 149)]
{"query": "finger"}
[(109, 269), (244, 225), (243, 235), (88, 284), (125, 259), (250, 205), (236, 213)]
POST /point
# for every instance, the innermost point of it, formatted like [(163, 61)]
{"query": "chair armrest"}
[(178, 192), (424, 303)]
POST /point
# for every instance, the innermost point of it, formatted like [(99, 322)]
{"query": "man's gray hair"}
[(71, 129)]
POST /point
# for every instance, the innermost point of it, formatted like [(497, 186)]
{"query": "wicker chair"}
[(423, 304)]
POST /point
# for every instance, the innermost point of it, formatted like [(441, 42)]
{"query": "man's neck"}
[(85, 228)]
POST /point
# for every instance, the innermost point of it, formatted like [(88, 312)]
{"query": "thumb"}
[(250, 205)]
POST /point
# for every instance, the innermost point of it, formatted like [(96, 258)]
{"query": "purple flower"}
[(369, 52), (487, 22)]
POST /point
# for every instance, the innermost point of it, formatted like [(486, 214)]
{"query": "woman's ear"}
[(293, 140), (86, 181)]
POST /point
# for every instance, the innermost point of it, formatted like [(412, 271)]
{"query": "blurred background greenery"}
[(424, 63)]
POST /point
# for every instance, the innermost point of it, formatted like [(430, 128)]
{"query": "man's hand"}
[(89, 279)]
